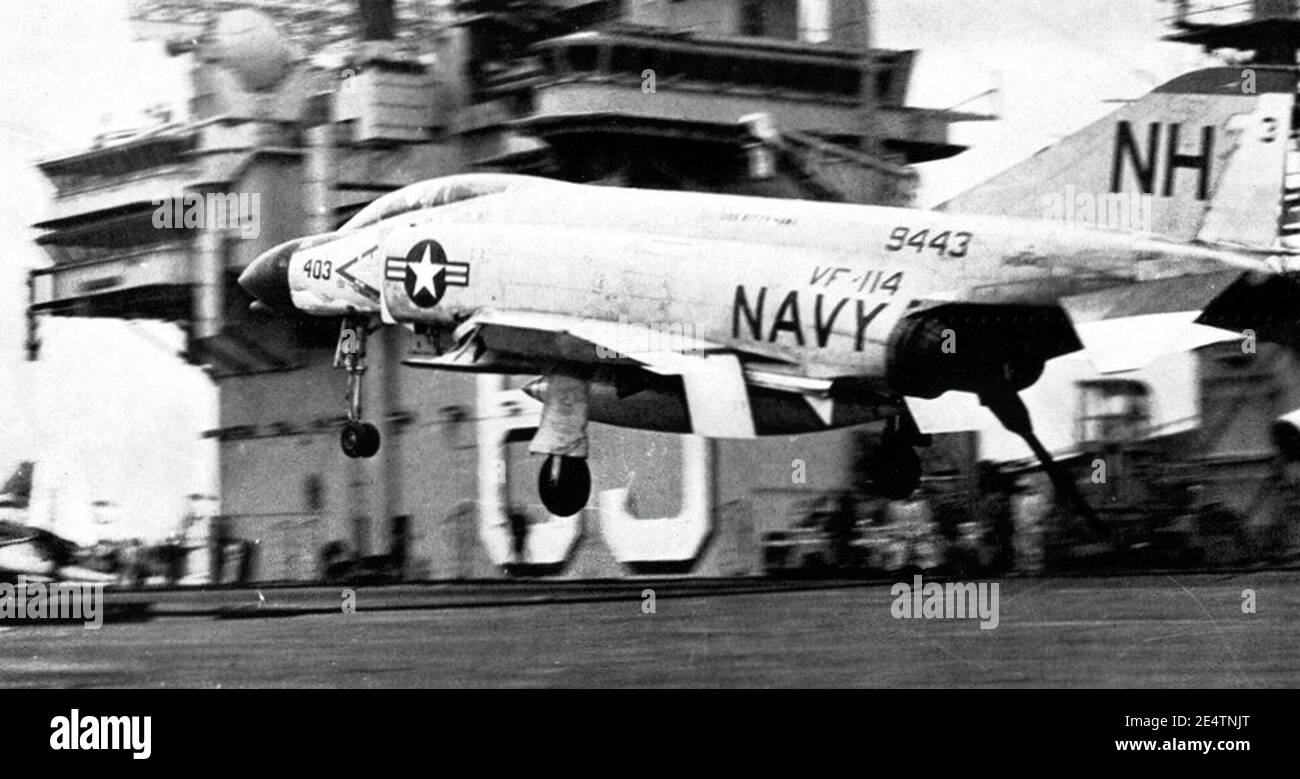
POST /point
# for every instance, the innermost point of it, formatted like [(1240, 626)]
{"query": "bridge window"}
[(632, 60), (583, 58)]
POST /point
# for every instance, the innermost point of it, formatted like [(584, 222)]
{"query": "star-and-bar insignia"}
[(426, 273)]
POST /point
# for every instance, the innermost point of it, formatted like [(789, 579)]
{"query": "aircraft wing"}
[(14, 533), (576, 339), (41, 555), (711, 374)]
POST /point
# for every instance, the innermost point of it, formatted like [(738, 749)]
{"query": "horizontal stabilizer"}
[(1126, 328), (1268, 306)]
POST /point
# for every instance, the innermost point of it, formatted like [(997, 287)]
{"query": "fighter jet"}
[(35, 553), (733, 317)]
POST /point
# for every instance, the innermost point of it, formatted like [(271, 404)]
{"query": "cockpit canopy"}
[(441, 192)]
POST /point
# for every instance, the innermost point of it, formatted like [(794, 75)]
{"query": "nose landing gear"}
[(357, 439)]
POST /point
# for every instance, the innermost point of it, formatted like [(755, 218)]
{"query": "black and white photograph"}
[(446, 345)]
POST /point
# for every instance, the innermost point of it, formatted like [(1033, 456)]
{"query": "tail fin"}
[(1202, 157), (17, 491)]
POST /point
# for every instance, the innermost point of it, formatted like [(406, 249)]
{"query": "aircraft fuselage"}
[(814, 285)]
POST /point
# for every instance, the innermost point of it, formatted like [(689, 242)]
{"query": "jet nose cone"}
[(267, 277)]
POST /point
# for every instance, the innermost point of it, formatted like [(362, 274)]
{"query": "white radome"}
[(247, 43)]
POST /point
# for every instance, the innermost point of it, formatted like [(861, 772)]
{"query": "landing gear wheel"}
[(564, 484), (894, 469), (359, 439)]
